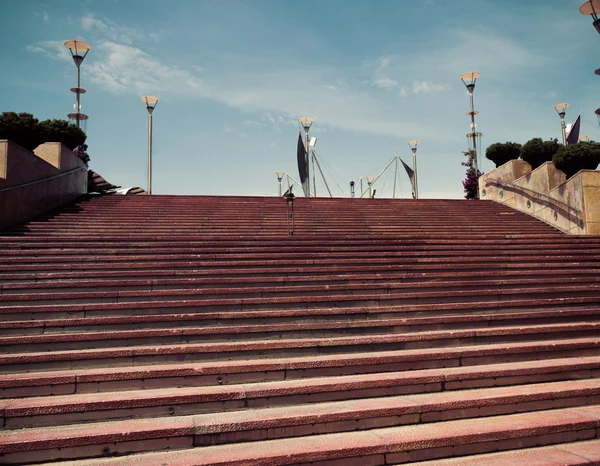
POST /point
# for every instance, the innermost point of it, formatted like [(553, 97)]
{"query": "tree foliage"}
[(581, 156), (20, 128), (537, 151), (500, 153), (62, 131), (24, 129)]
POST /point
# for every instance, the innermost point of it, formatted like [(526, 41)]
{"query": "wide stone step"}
[(364, 380), (209, 311), (463, 330), (392, 445), (566, 454), (400, 291), (410, 352), (258, 422), (261, 324)]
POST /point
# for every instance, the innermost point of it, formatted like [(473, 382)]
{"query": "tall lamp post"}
[(469, 80), (597, 112), (591, 8), (306, 123), (279, 178), (413, 147), (561, 109), (77, 48), (150, 102)]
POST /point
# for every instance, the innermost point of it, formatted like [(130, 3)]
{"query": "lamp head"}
[(306, 123), (279, 175), (561, 109), (150, 102), (78, 47), (413, 145), (469, 79)]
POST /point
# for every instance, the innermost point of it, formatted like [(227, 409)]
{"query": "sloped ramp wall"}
[(572, 206), (33, 183)]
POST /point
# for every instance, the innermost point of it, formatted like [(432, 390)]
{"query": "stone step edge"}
[(375, 299), (285, 417), (280, 344), (83, 337), (393, 442), (585, 453), (222, 368), (52, 291), (410, 321), (435, 400)]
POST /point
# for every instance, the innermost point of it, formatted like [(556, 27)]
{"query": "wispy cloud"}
[(111, 30), (50, 48), (427, 87)]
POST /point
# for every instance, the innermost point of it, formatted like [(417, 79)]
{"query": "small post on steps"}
[(289, 203)]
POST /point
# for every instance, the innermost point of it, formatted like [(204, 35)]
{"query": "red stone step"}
[(325, 354), (392, 445), (390, 332), (273, 422), (235, 324), (563, 454)]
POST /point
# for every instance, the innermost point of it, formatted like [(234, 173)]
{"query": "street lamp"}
[(561, 109), (591, 8), (369, 183), (78, 47), (279, 178), (597, 112), (413, 147), (585, 138), (306, 123), (150, 102), (469, 80)]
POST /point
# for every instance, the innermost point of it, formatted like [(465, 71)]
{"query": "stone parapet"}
[(29, 182), (568, 205)]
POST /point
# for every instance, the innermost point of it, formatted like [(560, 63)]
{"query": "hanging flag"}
[(573, 137), (302, 164), (411, 174)]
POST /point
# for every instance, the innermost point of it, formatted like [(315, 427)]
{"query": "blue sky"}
[(234, 76)]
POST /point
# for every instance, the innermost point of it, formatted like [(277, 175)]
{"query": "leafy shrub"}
[(20, 128), (500, 153), (81, 152), (581, 156), (536, 151), (62, 131), (471, 182)]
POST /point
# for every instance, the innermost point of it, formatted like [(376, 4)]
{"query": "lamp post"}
[(413, 147), (78, 47), (279, 178), (469, 80), (561, 109), (150, 102), (369, 183), (591, 8), (585, 138), (306, 123), (289, 203)]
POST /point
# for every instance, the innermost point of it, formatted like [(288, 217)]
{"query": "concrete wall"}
[(572, 206), (19, 166)]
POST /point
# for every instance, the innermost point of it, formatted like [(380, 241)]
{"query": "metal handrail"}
[(534, 192), (44, 179)]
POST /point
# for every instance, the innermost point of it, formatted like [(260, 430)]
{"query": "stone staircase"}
[(187, 330)]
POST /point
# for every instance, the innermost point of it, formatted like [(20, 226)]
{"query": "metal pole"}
[(279, 187), (77, 105), (313, 174), (307, 163), (473, 134), (415, 170), (149, 152), (564, 131), (395, 177)]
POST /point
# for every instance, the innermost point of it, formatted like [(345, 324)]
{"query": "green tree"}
[(62, 131), (20, 128), (581, 156), (536, 151), (500, 153)]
